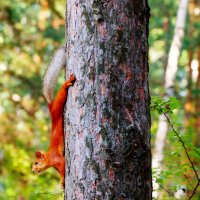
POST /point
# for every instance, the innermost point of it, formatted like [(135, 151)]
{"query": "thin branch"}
[(170, 194), (195, 189), (189, 182)]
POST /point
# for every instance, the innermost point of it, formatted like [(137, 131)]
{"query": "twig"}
[(170, 194), (195, 189), (189, 182)]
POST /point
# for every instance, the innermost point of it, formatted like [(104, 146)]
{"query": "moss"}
[(101, 69), (80, 101), (81, 117), (107, 163), (127, 150), (114, 120), (109, 142), (119, 51), (115, 99), (118, 35), (101, 187), (111, 192), (129, 11), (88, 143), (97, 6), (81, 187), (86, 163), (81, 84), (103, 133), (87, 20), (67, 122), (106, 113), (98, 9), (91, 75), (100, 66), (90, 196), (106, 158), (102, 45), (95, 167), (90, 98), (85, 166), (84, 69)]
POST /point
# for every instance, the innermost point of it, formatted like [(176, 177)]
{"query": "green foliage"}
[(30, 31), (181, 150), (184, 113), (164, 105)]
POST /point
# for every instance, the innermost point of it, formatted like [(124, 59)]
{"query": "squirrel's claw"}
[(72, 78), (63, 183)]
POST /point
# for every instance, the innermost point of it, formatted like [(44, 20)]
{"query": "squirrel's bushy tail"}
[(57, 62)]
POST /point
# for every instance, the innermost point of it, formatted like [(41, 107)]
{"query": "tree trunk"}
[(108, 154)]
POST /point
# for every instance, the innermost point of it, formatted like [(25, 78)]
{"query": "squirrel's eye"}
[(36, 163)]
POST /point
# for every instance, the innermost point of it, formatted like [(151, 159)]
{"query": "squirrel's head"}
[(40, 163)]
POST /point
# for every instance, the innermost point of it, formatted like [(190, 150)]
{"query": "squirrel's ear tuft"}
[(38, 154)]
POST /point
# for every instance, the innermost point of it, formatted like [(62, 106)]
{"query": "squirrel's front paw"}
[(72, 78)]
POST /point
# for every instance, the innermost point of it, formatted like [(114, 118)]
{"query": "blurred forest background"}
[(29, 33)]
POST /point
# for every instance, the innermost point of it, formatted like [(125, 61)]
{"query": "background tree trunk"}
[(107, 148)]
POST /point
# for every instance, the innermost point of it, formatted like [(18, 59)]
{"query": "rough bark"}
[(107, 142), (171, 69)]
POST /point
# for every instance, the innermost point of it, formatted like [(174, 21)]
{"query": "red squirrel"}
[(54, 157)]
